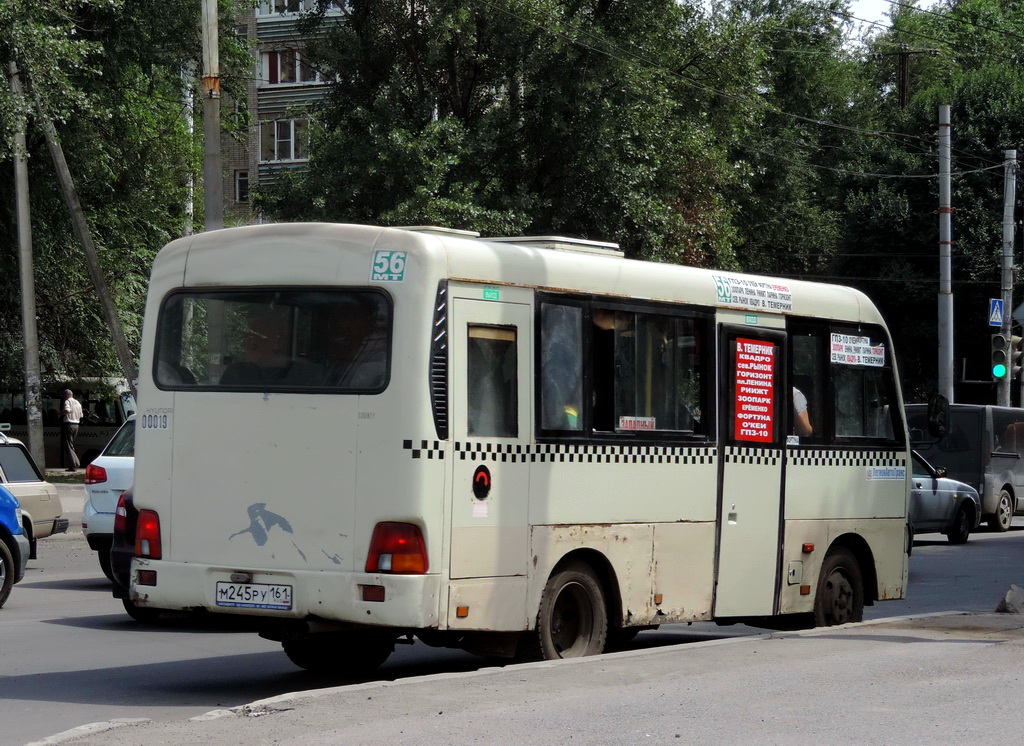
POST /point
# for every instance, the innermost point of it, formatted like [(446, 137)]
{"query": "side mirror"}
[(938, 415), (940, 471)]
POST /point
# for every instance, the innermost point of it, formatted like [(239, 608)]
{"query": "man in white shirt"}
[(71, 415)]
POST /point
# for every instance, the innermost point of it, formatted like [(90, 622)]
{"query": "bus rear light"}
[(808, 548), (805, 590), (147, 535), (372, 592), (397, 548), (95, 474)]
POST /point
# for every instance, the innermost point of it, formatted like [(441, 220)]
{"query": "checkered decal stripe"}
[(565, 453), (847, 458), (428, 449), (761, 456)]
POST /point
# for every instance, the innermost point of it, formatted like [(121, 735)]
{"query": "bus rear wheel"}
[(840, 596), (352, 655), (573, 618)]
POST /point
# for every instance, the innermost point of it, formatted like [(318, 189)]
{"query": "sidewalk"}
[(946, 678)]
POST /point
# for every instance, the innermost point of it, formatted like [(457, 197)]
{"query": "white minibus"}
[(523, 446)]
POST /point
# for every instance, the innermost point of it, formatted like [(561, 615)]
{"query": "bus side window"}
[(561, 364), (493, 383)]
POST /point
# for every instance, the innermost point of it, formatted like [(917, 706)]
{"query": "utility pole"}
[(33, 378), (903, 69), (1009, 196), (213, 183), (81, 227), (945, 259)]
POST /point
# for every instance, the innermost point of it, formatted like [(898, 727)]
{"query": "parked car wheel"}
[(1003, 517), (7, 572), (961, 528), (105, 565)]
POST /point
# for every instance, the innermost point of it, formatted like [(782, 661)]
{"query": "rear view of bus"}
[(269, 406)]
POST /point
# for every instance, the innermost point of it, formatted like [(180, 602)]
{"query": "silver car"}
[(941, 504)]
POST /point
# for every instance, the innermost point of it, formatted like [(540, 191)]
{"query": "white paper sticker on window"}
[(756, 294), (850, 350), (637, 423)]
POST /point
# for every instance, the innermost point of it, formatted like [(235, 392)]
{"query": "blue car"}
[(14, 546)]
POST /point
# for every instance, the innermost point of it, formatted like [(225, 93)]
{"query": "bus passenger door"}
[(750, 500), (490, 404)]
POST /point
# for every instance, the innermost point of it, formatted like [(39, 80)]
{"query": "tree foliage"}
[(110, 73)]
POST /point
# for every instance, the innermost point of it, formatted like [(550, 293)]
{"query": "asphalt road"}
[(70, 655)]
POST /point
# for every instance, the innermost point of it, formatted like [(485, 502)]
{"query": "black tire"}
[(573, 618), (7, 572), (26, 528), (961, 528), (142, 614), (910, 538), (1000, 520), (840, 595), (104, 558), (350, 655)]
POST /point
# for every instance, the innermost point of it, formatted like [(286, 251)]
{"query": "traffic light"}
[(1000, 356), (1016, 362)]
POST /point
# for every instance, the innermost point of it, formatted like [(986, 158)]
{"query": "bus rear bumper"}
[(409, 601)]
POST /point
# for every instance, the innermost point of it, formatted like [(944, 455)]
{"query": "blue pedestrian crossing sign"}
[(995, 312)]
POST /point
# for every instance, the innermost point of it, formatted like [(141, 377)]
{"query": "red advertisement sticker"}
[(755, 391)]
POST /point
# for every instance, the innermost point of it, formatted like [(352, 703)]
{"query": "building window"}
[(288, 67), (241, 187), (285, 7), (284, 140)]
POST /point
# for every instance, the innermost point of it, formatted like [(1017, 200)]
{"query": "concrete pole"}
[(1009, 196), (213, 180), (33, 377), (945, 259)]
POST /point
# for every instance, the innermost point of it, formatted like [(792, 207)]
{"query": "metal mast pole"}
[(1009, 196), (945, 259), (33, 410), (213, 183)]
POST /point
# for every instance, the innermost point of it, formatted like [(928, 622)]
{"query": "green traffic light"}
[(998, 370)]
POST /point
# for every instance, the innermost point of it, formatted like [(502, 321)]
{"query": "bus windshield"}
[(266, 339)]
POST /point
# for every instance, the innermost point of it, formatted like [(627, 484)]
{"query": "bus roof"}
[(541, 262)]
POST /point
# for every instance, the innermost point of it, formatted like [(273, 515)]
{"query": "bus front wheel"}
[(573, 618), (840, 597), (351, 655)]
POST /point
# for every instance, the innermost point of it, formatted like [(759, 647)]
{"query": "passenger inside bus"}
[(801, 418)]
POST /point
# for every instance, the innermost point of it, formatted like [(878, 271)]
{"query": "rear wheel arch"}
[(605, 575), (861, 551)]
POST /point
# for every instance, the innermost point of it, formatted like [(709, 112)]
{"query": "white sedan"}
[(110, 474)]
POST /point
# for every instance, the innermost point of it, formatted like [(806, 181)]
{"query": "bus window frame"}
[(201, 291), (587, 435), (824, 328)]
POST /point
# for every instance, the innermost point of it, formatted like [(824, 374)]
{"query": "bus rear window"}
[(335, 341)]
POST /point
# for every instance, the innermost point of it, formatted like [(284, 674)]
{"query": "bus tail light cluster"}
[(147, 535), (397, 548), (95, 474)]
